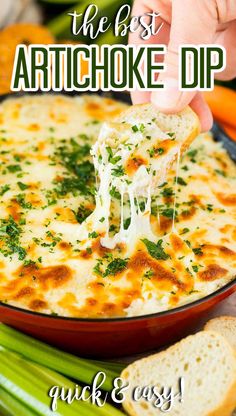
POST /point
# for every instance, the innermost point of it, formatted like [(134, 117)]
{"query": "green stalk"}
[(13, 380), (10, 406), (43, 379), (54, 378), (59, 1), (109, 365), (65, 363), (62, 23)]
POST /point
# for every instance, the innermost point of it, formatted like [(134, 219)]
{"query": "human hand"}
[(187, 22)]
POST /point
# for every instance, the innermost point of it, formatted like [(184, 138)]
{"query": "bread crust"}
[(226, 407), (229, 404), (220, 318)]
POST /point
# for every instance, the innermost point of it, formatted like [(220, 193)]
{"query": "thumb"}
[(192, 22)]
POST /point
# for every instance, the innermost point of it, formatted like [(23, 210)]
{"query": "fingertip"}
[(170, 99), (203, 111), (140, 97), (206, 121)]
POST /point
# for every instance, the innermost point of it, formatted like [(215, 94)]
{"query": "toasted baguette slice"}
[(226, 326), (206, 362), (184, 125), (142, 135)]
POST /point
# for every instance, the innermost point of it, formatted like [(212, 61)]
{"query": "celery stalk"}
[(57, 379), (65, 363), (43, 379), (59, 1), (14, 381), (33, 391), (109, 365), (10, 406)]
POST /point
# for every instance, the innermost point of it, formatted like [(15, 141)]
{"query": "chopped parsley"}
[(70, 155), (198, 251), (151, 152), (22, 202), (192, 154), (188, 243), (22, 186), (82, 213), (209, 207), (167, 192), (181, 181), (4, 189), (118, 171), (168, 212), (114, 193), (82, 176), (155, 151), (127, 222), (115, 266), (93, 234), (14, 168), (111, 158), (184, 231), (10, 236), (113, 228), (135, 128), (155, 249), (220, 172), (148, 274), (97, 268), (140, 128), (162, 185), (83, 181)]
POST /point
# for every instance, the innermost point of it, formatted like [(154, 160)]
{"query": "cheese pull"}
[(143, 143), (132, 156)]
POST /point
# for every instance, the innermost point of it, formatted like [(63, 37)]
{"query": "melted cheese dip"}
[(48, 186)]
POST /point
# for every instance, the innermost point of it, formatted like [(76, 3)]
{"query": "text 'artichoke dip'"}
[(51, 263)]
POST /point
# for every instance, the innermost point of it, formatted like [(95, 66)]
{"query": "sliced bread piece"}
[(143, 136), (226, 326), (207, 364), (184, 126)]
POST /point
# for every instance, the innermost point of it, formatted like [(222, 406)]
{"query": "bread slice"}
[(224, 325), (185, 125), (207, 364), (142, 135)]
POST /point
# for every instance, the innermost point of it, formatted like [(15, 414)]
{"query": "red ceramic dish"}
[(105, 338)]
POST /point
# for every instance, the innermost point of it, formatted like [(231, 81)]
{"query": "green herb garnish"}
[(198, 251), (4, 189), (167, 192), (155, 249), (115, 266), (93, 234), (181, 181), (168, 212), (14, 168), (118, 171), (82, 213), (22, 186)]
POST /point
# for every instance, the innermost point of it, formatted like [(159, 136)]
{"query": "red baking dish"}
[(105, 338)]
